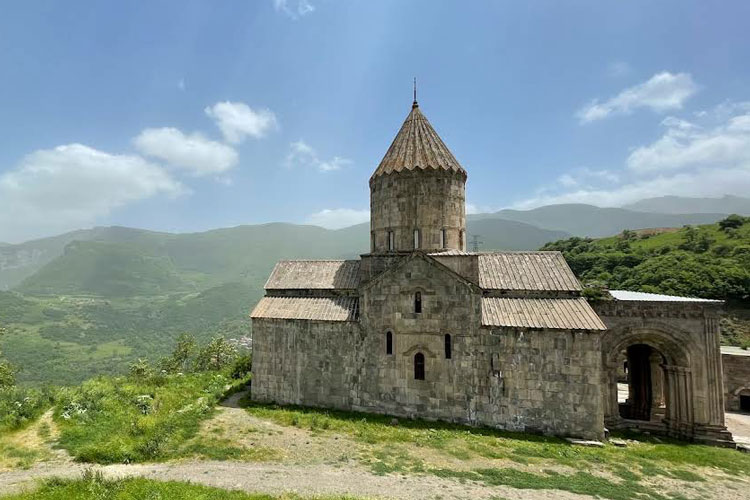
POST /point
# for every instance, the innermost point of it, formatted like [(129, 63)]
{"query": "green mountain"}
[(197, 260), (500, 234), (590, 221), (106, 270), (727, 204)]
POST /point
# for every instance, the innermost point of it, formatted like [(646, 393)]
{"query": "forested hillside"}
[(710, 261)]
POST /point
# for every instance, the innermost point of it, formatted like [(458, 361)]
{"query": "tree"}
[(7, 373), (182, 355), (216, 355), (733, 221)]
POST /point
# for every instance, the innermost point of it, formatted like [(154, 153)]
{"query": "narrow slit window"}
[(391, 241), (419, 366), (461, 240), (372, 241), (416, 239), (389, 342), (448, 346), (443, 242), (418, 302)]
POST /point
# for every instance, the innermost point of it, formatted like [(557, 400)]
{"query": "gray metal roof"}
[(417, 146), (627, 295), (314, 275), (539, 271), (559, 314), (309, 308), (734, 351)]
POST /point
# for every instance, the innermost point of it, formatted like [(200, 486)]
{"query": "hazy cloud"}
[(237, 120), (294, 9), (302, 154), (689, 159), (662, 92), (72, 186), (336, 218), (193, 153), (617, 69)]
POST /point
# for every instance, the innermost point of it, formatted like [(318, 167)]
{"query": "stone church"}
[(419, 327)]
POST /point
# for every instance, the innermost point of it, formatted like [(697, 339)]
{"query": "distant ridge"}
[(681, 205), (597, 222), (221, 255)]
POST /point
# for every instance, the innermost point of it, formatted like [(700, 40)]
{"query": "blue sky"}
[(185, 116)]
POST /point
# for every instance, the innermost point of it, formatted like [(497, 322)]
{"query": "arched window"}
[(443, 239), (448, 346), (461, 240), (419, 366), (391, 241), (416, 239), (389, 342), (418, 302)]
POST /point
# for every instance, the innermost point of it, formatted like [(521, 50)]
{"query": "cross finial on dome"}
[(414, 104)]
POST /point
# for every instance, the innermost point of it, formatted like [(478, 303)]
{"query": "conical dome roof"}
[(417, 146)]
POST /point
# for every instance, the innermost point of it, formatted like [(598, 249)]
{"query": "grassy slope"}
[(128, 419), (93, 487)]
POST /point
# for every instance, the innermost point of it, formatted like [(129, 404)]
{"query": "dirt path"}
[(275, 479), (739, 425)]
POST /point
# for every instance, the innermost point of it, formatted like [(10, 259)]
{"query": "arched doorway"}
[(647, 381), (641, 386)]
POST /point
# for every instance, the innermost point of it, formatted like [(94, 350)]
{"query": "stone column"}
[(657, 379), (714, 374)]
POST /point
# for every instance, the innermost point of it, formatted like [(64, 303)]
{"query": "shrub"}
[(19, 407), (140, 368), (733, 221), (216, 355), (241, 367)]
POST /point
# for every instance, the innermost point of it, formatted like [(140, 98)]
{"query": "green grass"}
[(127, 419), (397, 449), (94, 487)]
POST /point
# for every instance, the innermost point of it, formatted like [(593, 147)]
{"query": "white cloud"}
[(686, 145), (302, 154), (237, 120), (336, 218), (689, 159), (662, 92), (298, 9), (73, 186), (193, 153)]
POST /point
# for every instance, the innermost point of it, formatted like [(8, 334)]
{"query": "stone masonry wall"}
[(736, 379), (540, 381), (449, 306), (307, 363), (426, 200)]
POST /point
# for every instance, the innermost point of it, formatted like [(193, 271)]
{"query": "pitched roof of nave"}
[(314, 275), (308, 308), (417, 146), (510, 271), (553, 314), (526, 271)]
